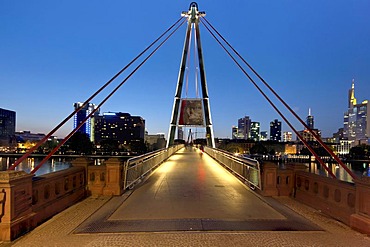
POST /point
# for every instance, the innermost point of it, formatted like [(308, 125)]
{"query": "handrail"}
[(137, 167), (246, 168)]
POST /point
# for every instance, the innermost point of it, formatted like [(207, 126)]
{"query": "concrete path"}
[(191, 201)]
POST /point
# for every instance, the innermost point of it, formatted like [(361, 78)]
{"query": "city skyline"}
[(309, 52)]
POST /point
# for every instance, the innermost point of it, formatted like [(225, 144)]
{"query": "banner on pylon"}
[(191, 113)]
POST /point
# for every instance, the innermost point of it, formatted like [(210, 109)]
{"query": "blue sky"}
[(55, 53)]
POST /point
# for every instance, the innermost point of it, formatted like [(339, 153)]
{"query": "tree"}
[(48, 146), (360, 152), (258, 148), (138, 146), (109, 145), (80, 143)]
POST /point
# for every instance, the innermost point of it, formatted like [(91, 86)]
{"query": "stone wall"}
[(346, 202), (26, 201)]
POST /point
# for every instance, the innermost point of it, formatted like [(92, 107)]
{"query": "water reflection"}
[(340, 172), (27, 165)]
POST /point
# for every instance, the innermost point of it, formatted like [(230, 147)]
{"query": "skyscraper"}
[(88, 126), (356, 124), (263, 136), (234, 132), (244, 128), (275, 130), (7, 127), (255, 131), (310, 120)]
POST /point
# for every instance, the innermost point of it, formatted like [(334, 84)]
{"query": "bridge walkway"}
[(190, 200)]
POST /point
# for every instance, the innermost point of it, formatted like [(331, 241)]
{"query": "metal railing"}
[(245, 168), (138, 167)]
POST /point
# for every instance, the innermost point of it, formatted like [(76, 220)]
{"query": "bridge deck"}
[(191, 201), (192, 192)]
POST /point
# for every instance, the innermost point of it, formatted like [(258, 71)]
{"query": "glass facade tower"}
[(88, 126), (7, 127), (356, 122)]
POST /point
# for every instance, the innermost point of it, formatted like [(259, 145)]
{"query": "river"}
[(57, 164), (28, 164)]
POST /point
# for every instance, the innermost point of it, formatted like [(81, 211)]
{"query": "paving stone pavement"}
[(58, 231)]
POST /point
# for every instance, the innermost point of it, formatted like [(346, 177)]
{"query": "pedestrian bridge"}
[(178, 190), (192, 192)]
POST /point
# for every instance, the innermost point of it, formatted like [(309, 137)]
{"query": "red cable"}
[(101, 103), (289, 108), (276, 109), (30, 151)]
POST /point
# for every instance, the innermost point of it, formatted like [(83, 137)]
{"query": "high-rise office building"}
[(275, 130), (263, 136), (310, 120), (356, 124), (306, 134), (7, 127), (121, 127), (88, 126), (234, 132), (244, 128), (255, 131), (180, 133)]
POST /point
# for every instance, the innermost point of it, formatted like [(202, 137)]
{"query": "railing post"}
[(114, 177), (360, 221), (16, 215), (269, 179), (295, 167), (85, 163)]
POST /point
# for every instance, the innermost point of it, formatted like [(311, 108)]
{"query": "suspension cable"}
[(105, 99), (287, 106), (196, 66), (272, 104), (30, 151), (188, 68)]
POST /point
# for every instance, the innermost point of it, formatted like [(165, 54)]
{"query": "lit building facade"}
[(7, 128), (287, 136), (263, 136), (121, 127), (307, 136), (255, 131), (343, 147), (244, 128), (88, 126), (155, 142), (275, 130), (356, 125), (234, 132), (310, 120)]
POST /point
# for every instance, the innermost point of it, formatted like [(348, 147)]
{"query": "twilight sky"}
[(55, 53)]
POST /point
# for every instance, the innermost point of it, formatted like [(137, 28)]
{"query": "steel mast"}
[(193, 16)]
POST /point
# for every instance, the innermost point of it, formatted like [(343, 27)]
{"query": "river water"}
[(358, 168), (27, 165), (53, 165)]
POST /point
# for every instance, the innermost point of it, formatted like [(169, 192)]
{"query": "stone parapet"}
[(26, 201), (15, 204), (331, 196), (360, 220), (269, 179), (114, 180)]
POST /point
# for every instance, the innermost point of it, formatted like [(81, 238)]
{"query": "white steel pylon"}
[(193, 16)]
